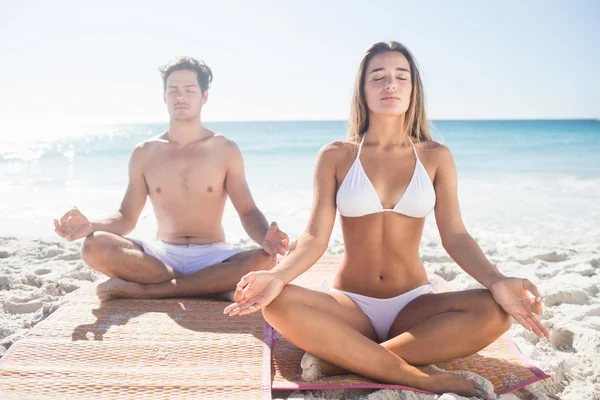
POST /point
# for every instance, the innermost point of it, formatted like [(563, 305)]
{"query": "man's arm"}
[(125, 219), (253, 220)]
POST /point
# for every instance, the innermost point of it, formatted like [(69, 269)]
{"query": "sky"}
[(71, 62)]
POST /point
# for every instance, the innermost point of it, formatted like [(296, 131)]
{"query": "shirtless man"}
[(187, 172)]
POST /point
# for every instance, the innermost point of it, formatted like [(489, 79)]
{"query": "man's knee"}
[(96, 250), (261, 261)]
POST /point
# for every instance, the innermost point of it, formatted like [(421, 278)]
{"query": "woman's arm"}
[(510, 293), (313, 242), (258, 289), (456, 240)]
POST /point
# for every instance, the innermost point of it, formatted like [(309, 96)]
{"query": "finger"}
[(536, 307), (244, 281), (58, 229), (237, 304), (239, 296), (241, 284), (274, 227), (75, 213), (285, 239), (233, 312), (257, 304), (242, 307), (234, 308), (239, 292), (69, 231), (534, 325), (230, 307), (522, 321), (533, 289), (250, 310), (64, 218), (539, 328), (252, 307), (60, 232)]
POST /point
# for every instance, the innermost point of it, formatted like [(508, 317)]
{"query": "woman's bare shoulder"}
[(434, 152), (338, 151)]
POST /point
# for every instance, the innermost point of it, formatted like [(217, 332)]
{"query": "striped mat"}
[(142, 349)]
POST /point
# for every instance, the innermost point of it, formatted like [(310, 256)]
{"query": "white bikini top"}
[(357, 196)]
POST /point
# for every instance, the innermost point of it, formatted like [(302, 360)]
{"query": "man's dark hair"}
[(202, 71)]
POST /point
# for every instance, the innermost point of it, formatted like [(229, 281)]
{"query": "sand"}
[(37, 276)]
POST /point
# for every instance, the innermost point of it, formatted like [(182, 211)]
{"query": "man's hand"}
[(276, 241), (73, 225)]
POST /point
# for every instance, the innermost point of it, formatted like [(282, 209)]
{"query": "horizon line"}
[(345, 120)]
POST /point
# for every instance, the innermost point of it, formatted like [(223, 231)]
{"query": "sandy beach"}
[(543, 225), (37, 276), (86, 87)]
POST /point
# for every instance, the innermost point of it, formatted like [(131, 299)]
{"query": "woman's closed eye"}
[(402, 78)]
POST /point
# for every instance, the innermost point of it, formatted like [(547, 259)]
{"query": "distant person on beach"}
[(187, 172), (382, 318)]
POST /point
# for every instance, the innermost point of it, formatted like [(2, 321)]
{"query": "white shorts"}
[(187, 258), (383, 312)]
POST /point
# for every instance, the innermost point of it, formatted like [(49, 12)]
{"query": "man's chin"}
[(183, 118)]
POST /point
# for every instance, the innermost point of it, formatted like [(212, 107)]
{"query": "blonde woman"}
[(382, 319)]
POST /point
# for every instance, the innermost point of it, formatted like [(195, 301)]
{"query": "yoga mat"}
[(142, 349), (501, 362)]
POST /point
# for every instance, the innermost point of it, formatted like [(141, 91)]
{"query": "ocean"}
[(520, 182)]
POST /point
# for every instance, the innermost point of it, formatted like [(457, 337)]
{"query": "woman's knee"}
[(280, 305), (494, 320)]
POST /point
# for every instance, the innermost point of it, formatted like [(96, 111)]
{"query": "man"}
[(187, 172)]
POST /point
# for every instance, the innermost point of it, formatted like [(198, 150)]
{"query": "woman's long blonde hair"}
[(415, 122)]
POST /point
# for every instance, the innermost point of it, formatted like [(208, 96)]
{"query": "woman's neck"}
[(387, 131)]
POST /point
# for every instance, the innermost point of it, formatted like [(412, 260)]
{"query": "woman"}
[(381, 319)]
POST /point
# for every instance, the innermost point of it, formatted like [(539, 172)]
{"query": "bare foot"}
[(484, 389), (115, 288), (464, 383), (314, 368)]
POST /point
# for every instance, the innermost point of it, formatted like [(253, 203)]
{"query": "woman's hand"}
[(512, 295), (254, 291)]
